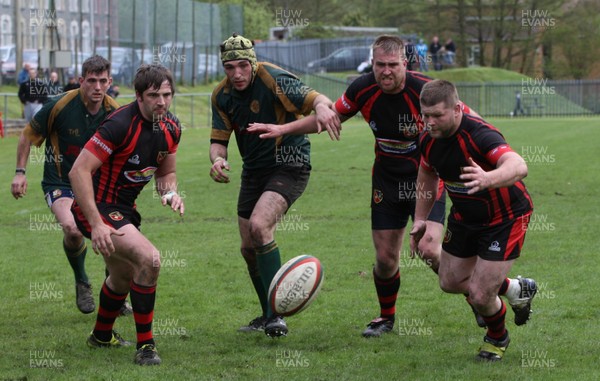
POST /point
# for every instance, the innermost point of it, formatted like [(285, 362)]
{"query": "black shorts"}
[(501, 242), (290, 182), (393, 202), (113, 215)]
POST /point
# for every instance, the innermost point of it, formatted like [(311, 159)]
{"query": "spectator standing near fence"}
[(450, 50), (32, 94), (422, 53), (434, 49)]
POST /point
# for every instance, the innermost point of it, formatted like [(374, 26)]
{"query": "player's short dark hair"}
[(95, 65), (437, 91), (152, 76), (389, 44)]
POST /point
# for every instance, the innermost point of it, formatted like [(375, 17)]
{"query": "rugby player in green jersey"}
[(65, 123), (275, 172)]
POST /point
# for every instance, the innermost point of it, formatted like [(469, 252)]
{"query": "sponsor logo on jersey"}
[(162, 155), (140, 176), (456, 187), (396, 147), (447, 236), (373, 125), (494, 246), (255, 106), (502, 147), (345, 103), (100, 144), (135, 159), (115, 216), (377, 196)]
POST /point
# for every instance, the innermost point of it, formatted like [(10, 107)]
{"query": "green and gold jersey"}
[(275, 97), (66, 125)]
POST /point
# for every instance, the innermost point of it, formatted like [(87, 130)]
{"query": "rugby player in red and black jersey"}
[(490, 209), (134, 144), (388, 99)]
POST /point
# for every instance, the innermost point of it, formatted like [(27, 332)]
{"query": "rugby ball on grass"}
[(295, 285)]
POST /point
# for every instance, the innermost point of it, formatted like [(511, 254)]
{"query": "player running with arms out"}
[(490, 210), (388, 99), (275, 172), (135, 143), (66, 123)]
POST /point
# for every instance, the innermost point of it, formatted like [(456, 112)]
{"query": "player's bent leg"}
[(134, 248), (113, 292), (75, 249), (483, 294), (386, 276)]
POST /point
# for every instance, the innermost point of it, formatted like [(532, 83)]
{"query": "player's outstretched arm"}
[(166, 185), (18, 187), (510, 168), (81, 181)]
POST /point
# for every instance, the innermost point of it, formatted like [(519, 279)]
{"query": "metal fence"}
[(533, 97), (548, 99)]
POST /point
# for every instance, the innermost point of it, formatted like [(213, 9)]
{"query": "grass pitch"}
[(204, 294)]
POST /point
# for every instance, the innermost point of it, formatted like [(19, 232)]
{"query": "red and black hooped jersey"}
[(131, 149), (485, 144), (395, 119)]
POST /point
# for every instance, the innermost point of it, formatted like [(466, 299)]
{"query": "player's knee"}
[(479, 298), (448, 285), (72, 233), (259, 231), (149, 264), (386, 263)]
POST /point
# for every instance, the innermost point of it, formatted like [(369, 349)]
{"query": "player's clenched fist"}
[(217, 170)]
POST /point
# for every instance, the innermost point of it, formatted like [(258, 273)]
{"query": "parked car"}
[(342, 59), (9, 70)]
